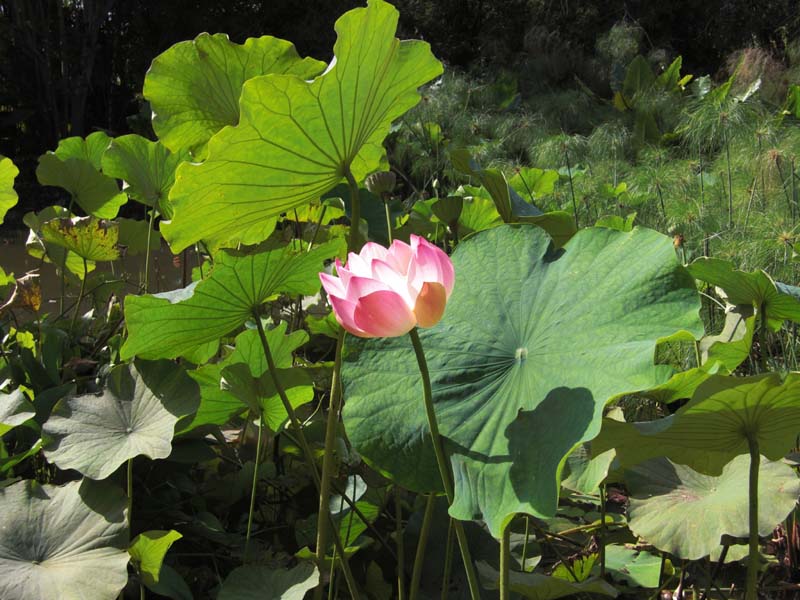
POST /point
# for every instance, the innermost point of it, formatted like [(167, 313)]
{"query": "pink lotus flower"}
[(387, 292)]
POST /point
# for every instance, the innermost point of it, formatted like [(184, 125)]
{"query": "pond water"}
[(167, 272)]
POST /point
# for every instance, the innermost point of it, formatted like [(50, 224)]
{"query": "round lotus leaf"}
[(135, 415), (533, 344), (685, 513), (88, 237), (66, 542)]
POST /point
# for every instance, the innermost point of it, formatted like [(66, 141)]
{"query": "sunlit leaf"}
[(167, 327), (753, 289), (8, 197), (75, 167), (146, 168), (713, 428), (148, 550), (194, 86), (297, 139), (218, 405), (88, 237)]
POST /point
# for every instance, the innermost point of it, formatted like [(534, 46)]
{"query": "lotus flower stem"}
[(253, 488), (419, 558), (327, 458), (398, 520), (505, 562), (441, 461), (753, 559), (309, 456), (335, 404)]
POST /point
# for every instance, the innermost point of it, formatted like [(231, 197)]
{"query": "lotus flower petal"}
[(384, 314)]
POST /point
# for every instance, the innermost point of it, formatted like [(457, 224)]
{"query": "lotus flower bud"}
[(386, 292)]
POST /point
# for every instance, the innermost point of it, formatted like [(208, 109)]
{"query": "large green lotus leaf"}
[(64, 542), (710, 430), (147, 168), (260, 395), (218, 405), (256, 582), (135, 415), (753, 289), (194, 86), (148, 550), (685, 513), (15, 409), (88, 237), (167, 327), (533, 344), (541, 587), (8, 197), (297, 139), (75, 167)]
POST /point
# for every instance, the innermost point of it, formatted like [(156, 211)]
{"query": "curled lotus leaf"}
[(297, 139)]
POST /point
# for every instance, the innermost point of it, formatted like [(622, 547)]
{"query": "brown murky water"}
[(167, 272)]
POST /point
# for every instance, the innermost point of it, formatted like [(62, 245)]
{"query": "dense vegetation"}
[(608, 406)]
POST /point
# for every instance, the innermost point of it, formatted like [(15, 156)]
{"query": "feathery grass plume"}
[(715, 117)]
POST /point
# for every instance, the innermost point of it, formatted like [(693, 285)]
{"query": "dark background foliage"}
[(69, 67)]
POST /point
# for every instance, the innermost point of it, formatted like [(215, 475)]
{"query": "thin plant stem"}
[(303, 442), (505, 563), (327, 458), (80, 296), (571, 187), (317, 227), (525, 541), (398, 522), (753, 559), (730, 182), (147, 251), (448, 561), (130, 493), (441, 461), (419, 558), (353, 243), (602, 532), (253, 489)]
